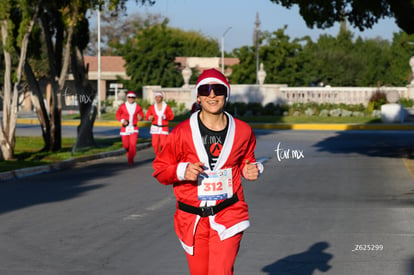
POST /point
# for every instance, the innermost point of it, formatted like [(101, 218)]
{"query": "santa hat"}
[(158, 94), (212, 75), (131, 94)]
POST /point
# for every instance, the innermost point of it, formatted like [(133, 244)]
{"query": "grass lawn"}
[(28, 151), (265, 119), (307, 119)]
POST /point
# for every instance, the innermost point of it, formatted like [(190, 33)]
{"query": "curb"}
[(333, 126), (65, 164), (265, 126)]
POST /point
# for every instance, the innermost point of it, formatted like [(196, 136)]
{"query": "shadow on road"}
[(393, 144), (304, 263), (68, 184), (411, 266)]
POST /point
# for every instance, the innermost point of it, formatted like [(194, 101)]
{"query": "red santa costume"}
[(226, 215), (159, 128), (129, 113)]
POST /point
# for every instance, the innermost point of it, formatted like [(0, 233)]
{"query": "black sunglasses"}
[(205, 90)]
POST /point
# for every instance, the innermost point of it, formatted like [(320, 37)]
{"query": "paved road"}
[(342, 203)]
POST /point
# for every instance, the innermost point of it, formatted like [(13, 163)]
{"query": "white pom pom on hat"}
[(158, 94), (212, 75), (131, 94)]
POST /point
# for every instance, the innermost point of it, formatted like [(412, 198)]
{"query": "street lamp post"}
[(257, 34), (222, 49), (99, 62)]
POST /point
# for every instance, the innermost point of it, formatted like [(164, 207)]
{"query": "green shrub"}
[(254, 108), (237, 108), (406, 102), (144, 103), (377, 99)]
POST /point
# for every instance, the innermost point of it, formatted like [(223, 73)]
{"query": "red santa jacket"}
[(161, 118), (129, 112), (184, 145)]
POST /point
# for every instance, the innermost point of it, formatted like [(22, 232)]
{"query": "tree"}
[(65, 32), (279, 56), (245, 71), (150, 54), (402, 49), (333, 60), (362, 14), (116, 30), (343, 61), (21, 21)]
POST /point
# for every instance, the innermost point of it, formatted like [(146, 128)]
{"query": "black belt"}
[(206, 211), (160, 125)]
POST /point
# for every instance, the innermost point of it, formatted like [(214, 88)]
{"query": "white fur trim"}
[(158, 94), (260, 167), (188, 249), (181, 170), (131, 110), (198, 142), (228, 143), (127, 134), (224, 232), (160, 113)]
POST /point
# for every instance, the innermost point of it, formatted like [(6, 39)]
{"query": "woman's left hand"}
[(250, 171)]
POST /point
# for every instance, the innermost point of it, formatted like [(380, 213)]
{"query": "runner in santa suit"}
[(204, 159), (129, 113), (159, 113)]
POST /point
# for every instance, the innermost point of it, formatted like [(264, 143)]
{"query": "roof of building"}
[(108, 63), (201, 63), (116, 64)]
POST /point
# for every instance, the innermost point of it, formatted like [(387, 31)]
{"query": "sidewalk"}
[(66, 164)]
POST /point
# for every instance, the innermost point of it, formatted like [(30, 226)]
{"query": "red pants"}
[(129, 142), (158, 141), (211, 255)]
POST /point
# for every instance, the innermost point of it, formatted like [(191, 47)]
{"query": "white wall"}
[(281, 94)]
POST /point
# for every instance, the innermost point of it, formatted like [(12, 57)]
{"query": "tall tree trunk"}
[(54, 55), (7, 138), (86, 95), (8, 128), (39, 104)]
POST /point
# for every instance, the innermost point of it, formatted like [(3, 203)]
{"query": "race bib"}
[(129, 129), (155, 129), (215, 185)]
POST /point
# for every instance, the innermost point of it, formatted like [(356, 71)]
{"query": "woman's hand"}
[(193, 170), (250, 171)]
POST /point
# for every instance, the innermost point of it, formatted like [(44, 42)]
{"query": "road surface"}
[(328, 203)]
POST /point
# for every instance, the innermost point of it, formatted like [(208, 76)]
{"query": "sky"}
[(213, 17)]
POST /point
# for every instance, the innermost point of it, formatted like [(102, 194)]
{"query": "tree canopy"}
[(332, 60), (361, 14), (150, 54)]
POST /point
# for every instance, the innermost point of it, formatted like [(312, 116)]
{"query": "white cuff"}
[(182, 166), (122, 121), (260, 167)]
